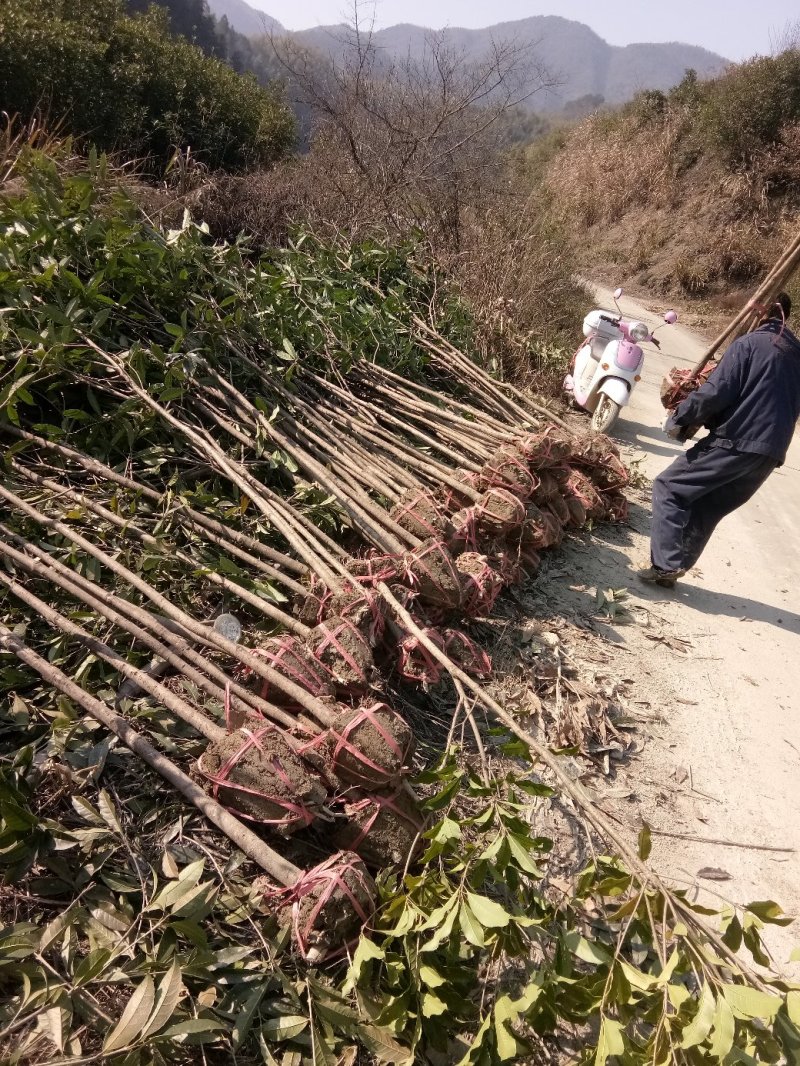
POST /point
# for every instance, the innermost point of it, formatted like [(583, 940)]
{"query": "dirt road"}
[(718, 662)]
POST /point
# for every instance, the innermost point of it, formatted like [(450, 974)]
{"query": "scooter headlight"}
[(639, 332)]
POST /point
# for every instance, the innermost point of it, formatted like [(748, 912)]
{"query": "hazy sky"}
[(733, 28)]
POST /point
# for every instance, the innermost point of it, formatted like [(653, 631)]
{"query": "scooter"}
[(608, 364)]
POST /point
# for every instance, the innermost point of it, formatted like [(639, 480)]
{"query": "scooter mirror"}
[(671, 317), (617, 294)]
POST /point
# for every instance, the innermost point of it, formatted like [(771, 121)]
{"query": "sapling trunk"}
[(366, 516), (148, 631), (244, 547), (280, 869), (576, 792), (235, 472), (204, 633), (179, 707), (129, 528)]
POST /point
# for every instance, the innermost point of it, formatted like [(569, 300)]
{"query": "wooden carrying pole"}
[(752, 312)]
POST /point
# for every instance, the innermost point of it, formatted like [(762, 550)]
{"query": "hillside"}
[(709, 194), (582, 62)]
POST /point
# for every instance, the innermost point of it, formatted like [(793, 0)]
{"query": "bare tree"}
[(418, 139), (786, 39)]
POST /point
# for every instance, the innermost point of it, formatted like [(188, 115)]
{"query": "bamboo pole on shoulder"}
[(749, 316)]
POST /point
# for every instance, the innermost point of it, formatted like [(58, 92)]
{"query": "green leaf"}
[(322, 1053), (506, 1011), (380, 1043), (366, 952), (471, 927), (54, 1023), (193, 1027), (285, 1027), (55, 928), (244, 1019), (519, 848), (134, 1017), (724, 1030), (167, 997), (750, 1003), (431, 977), (92, 966), (699, 1027), (645, 843), (174, 891), (584, 950), (793, 1006), (489, 913), (432, 1006), (610, 1042), (636, 979), (769, 912)]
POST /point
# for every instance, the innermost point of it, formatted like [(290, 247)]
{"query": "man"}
[(750, 404)]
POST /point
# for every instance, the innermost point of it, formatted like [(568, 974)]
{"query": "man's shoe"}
[(667, 579)]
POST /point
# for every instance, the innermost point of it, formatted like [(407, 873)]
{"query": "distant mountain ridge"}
[(245, 19), (584, 64)]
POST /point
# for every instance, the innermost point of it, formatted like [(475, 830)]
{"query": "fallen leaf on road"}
[(711, 873), (681, 774), (689, 703)]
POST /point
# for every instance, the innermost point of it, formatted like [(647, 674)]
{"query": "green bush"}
[(128, 85), (745, 110)]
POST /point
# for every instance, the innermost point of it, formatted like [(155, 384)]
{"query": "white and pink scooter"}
[(609, 363)]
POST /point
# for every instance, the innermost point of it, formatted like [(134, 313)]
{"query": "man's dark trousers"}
[(691, 497)]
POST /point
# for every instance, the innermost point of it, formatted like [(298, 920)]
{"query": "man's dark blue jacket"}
[(751, 402)]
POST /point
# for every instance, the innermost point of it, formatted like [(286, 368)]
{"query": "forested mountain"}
[(579, 59)]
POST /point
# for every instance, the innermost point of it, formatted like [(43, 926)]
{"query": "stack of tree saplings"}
[(447, 492)]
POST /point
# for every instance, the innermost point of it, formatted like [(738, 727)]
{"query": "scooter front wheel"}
[(605, 415)]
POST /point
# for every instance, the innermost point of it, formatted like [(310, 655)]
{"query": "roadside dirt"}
[(710, 673)]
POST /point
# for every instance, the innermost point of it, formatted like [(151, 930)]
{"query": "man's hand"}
[(679, 433)]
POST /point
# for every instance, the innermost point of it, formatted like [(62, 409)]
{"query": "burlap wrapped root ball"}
[(547, 448), (498, 512), (464, 652), (258, 774), (373, 567), (369, 746), (418, 512), (416, 663), (361, 606), (482, 584), (548, 488), (430, 571), (509, 469), (600, 457), (344, 652), (580, 489), (384, 828), (292, 659), (328, 907)]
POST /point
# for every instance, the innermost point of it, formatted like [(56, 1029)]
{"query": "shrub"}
[(747, 108), (128, 85)]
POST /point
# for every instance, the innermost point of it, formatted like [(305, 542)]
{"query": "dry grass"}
[(650, 203), (499, 246)]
